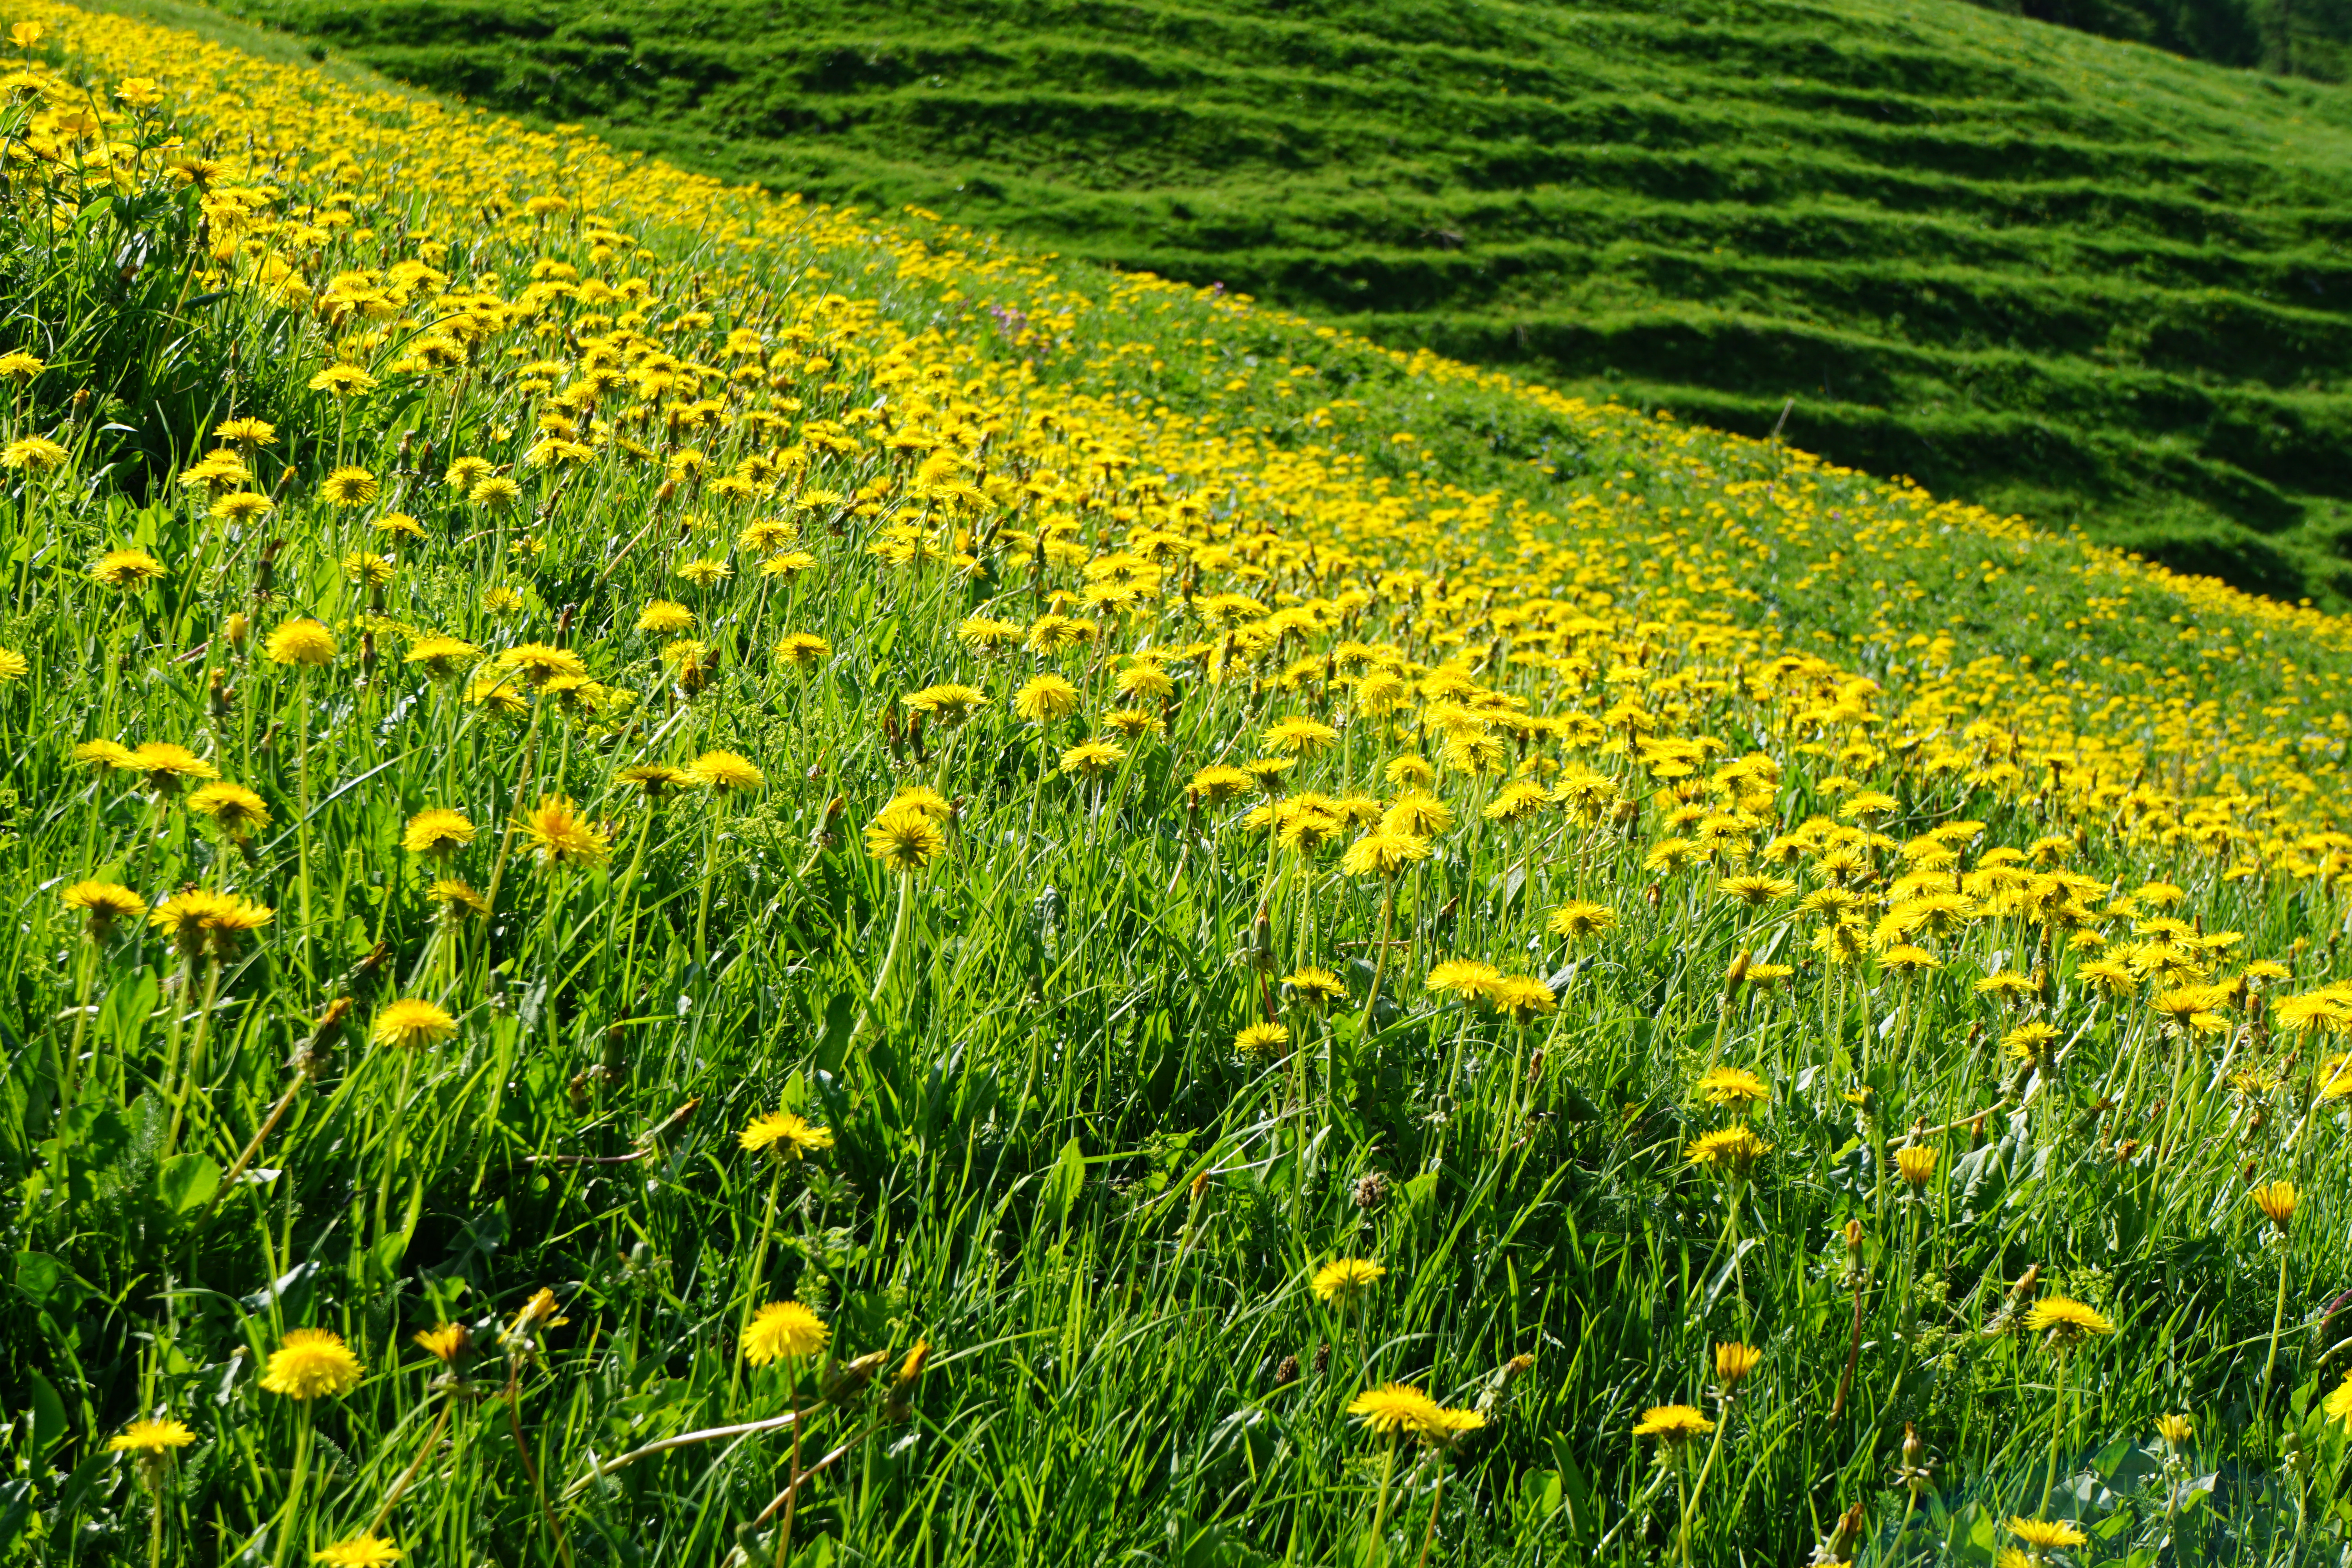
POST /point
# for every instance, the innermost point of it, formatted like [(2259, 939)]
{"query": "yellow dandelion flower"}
[(302, 641), (783, 1330), (728, 771), (412, 1023), (1393, 1409), (309, 1362), (1673, 1425), (1344, 1280), (792, 1137), (150, 1438), (560, 836)]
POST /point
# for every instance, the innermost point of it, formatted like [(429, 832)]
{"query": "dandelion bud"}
[(236, 628), (2277, 1201), (1285, 1371), (1735, 973), (844, 1380), (1734, 1362), (1853, 1234), (900, 1406)]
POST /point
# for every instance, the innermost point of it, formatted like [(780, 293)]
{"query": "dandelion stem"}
[(1380, 1507), (1379, 965), (2269, 1363), (2057, 1429)]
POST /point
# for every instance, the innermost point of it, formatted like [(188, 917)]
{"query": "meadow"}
[(699, 877), (2093, 284)]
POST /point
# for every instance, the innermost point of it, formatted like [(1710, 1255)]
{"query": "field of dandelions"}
[(697, 879)]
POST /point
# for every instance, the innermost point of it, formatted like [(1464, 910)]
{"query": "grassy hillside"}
[(2076, 279), (697, 878)]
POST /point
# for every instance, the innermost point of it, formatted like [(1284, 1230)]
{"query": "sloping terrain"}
[(2073, 279)]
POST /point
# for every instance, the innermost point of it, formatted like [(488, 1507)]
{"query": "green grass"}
[(2081, 280), (1049, 1159)]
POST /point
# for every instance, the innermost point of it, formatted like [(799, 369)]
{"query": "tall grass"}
[(1610, 878)]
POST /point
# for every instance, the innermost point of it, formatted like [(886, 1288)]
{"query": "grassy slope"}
[(2073, 279), (1013, 1176)]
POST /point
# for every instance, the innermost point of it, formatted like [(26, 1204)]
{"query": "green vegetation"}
[(2298, 37), (2082, 281), (537, 691)]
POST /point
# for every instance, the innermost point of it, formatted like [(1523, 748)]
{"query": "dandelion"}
[(1343, 1281), (1735, 1087), (560, 836), (1467, 978), (246, 432), (166, 765), (362, 1551), (664, 617), (413, 1023), (2067, 1321), (2337, 1405), (309, 1362), (1754, 890), (783, 1330), (342, 380), (459, 898), (538, 662), (35, 454), (1419, 816), (659, 781), (1393, 1409), (1673, 1425), (905, 840), (1734, 1362), (236, 810), (14, 665), (728, 771), (1043, 699), (789, 1136), (444, 1342), (2045, 1534), (2277, 1201), (1260, 1040), (349, 487), (1316, 987), (1383, 853), (443, 658), (127, 571), (1091, 759), (1299, 737), (496, 494), (1581, 922), (1907, 960), (2176, 1431), (106, 905), (437, 833), (950, 703), (1217, 785), (1729, 1150), (302, 642), (1917, 1165), (801, 648), (1521, 997), (150, 1439), (242, 507)]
